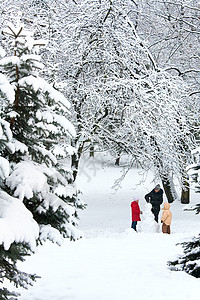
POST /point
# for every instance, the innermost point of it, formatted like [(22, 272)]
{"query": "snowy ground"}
[(112, 262)]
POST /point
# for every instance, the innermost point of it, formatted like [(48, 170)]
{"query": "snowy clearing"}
[(112, 261)]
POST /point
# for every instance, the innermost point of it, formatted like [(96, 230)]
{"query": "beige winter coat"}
[(167, 215)]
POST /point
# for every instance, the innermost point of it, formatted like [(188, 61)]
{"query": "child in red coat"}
[(135, 213)]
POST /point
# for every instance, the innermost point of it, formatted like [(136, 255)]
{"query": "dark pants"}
[(133, 225), (165, 228), (155, 210)]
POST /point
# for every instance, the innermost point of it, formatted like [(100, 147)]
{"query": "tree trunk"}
[(91, 151), (185, 194), (117, 161), (75, 159), (74, 165), (168, 191)]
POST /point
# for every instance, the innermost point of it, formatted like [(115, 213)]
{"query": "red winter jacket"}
[(135, 211)]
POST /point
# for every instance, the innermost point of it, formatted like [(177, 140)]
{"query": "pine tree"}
[(190, 260), (15, 220), (9, 271), (41, 136), (38, 180)]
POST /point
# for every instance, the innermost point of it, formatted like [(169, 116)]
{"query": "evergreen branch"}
[(15, 35)]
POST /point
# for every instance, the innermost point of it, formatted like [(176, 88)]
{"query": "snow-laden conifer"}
[(39, 200), (41, 133), (18, 230), (189, 261)]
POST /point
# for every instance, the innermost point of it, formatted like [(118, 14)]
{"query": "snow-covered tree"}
[(18, 235), (41, 134), (18, 230), (190, 260), (101, 48), (162, 126), (110, 70), (171, 31), (105, 66), (39, 200), (194, 169)]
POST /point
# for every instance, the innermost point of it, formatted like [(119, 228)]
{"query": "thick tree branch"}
[(194, 93), (182, 73)]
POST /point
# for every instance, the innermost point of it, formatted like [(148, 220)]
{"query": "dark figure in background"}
[(155, 197)]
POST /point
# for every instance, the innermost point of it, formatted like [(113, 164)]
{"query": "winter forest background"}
[(78, 78)]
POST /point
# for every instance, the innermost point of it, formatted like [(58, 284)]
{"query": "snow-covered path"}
[(112, 262)]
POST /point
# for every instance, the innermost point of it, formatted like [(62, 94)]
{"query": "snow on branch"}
[(73, 232), (19, 146), (47, 232), (2, 52), (4, 168), (182, 73), (6, 88), (27, 179), (6, 136), (60, 150), (5, 132), (19, 32), (35, 59), (49, 117), (55, 202), (16, 223), (39, 84), (65, 123), (47, 154), (14, 60), (18, 61)]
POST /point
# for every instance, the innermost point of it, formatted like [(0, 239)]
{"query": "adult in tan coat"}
[(166, 218)]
